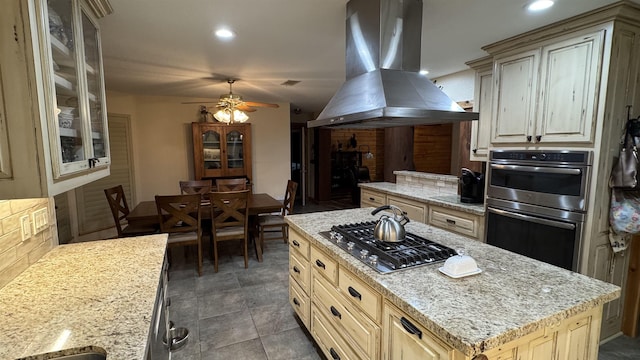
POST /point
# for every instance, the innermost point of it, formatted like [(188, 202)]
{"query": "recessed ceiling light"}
[(538, 5), (225, 34), (424, 72)]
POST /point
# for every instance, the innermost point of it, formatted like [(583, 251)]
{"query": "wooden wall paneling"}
[(323, 158), (631, 310), (398, 151), (432, 148)]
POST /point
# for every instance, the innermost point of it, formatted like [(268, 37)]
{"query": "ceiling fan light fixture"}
[(228, 116), (225, 34)]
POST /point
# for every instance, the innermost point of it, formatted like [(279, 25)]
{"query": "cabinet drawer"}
[(324, 265), (372, 198), (329, 340), (456, 221), (415, 210), (299, 244), (362, 296), (299, 271), (359, 331), (300, 302)]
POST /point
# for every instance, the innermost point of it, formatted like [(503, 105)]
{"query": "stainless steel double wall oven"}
[(536, 203)]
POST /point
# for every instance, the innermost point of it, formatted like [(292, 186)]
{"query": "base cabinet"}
[(404, 339)]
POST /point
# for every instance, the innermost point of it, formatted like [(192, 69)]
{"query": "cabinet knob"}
[(529, 138), (475, 150), (538, 138)]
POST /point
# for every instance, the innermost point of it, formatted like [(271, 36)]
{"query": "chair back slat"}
[(196, 186), (229, 209), (237, 184), (179, 213), (118, 205), (289, 197)]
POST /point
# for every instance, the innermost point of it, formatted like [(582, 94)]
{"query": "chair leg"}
[(285, 233), (246, 253), (200, 258), (215, 256), (261, 243)]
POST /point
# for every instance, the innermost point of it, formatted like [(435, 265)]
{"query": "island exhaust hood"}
[(383, 86)]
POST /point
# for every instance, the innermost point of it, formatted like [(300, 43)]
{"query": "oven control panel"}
[(565, 157)]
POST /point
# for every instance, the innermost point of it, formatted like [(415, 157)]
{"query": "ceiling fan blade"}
[(199, 102), (260, 104), (245, 108)]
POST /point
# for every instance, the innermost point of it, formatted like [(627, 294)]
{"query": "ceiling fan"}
[(231, 107)]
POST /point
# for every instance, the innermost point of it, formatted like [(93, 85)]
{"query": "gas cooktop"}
[(384, 257)]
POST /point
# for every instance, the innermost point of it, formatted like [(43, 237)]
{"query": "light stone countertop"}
[(98, 295), (513, 296), (451, 201)]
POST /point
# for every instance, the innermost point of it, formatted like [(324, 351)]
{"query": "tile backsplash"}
[(16, 254), (432, 183)]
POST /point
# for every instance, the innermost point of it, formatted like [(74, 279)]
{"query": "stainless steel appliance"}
[(471, 186), (536, 203), (358, 240)]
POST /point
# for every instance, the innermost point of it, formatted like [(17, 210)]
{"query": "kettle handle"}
[(377, 210)]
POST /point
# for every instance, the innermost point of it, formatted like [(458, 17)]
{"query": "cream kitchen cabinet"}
[(299, 277), (547, 94), (480, 129), (54, 127), (456, 221), (372, 198), (405, 339), (415, 210)]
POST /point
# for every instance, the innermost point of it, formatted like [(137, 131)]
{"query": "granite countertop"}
[(513, 296), (96, 295), (451, 201)]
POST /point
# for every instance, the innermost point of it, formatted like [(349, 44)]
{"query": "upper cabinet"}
[(482, 105), (547, 94), (53, 132), (221, 150)]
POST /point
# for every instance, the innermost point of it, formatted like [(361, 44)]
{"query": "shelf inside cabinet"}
[(62, 82), (59, 48), (66, 132)]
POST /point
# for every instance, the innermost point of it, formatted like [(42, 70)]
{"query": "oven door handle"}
[(537, 220), (550, 170)]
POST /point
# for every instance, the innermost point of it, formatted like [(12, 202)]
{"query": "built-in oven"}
[(536, 203)]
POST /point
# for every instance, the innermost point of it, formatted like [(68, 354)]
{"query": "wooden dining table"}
[(146, 213)]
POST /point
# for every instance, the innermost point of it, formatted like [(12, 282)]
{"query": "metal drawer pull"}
[(295, 243), (549, 170), (295, 269), (452, 222), (295, 301), (334, 354), (407, 325), (321, 264), (335, 312), (533, 219), (372, 199), (354, 293)]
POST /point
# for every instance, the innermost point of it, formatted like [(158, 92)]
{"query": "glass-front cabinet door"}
[(211, 153), (235, 151), (78, 122)]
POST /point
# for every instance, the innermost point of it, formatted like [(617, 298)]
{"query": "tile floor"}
[(241, 313)]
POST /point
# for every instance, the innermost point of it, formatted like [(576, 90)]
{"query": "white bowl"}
[(460, 265)]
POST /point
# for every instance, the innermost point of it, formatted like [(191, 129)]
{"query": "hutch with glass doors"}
[(221, 150), (53, 133)]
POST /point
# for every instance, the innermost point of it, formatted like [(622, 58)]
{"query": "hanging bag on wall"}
[(624, 174), (624, 216)]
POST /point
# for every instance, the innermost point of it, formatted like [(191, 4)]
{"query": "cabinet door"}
[(480, 129), (403, 338), (207, 151), (234, 151), (570, 73), (514, 91), (94, 103)]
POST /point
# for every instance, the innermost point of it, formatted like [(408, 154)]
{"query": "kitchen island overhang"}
[(513, 296)]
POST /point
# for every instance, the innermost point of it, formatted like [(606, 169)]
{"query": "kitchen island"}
[(514, 307), (94, 296)]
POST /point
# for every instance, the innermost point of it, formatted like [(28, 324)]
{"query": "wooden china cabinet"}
[(221, 150)]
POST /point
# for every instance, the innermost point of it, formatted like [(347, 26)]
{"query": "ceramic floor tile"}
[(273, 319), (263, 274), (291, 344), (266, 294), (249, 350), (220, 303), (224, 330), (213, 283)]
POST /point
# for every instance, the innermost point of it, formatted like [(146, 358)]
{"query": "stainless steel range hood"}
[(383, 87)]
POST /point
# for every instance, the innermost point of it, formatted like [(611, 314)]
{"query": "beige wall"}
[(162, 145), (16, 255)]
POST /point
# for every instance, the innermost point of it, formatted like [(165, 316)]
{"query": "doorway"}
[(298, 161)]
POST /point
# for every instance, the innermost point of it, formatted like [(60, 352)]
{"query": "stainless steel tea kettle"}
[(390, 229)]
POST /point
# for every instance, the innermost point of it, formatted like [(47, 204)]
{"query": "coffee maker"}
[(471, 186)]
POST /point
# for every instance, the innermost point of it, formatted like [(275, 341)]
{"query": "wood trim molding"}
[(101, 8)]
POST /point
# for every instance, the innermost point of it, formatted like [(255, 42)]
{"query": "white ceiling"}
[(166, 47)]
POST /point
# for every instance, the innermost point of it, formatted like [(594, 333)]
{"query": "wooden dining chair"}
[(196, 186), (120, 209), (274, 225), (229, 221), (236, 184), (181, 218)]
